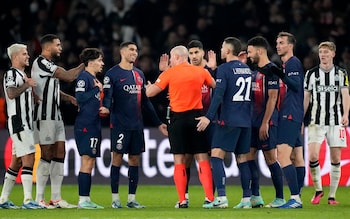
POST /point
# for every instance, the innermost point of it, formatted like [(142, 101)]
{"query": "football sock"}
[(277, 179), (255, 177), (131, 197), (291, 176), (84, 184), (42, 175), (219, 175), (334, 179), (115, 172), (180, 180), (315, 171), (27, 183), (9, 182), (133, 174), (56, 177), (115, 196), (246, 177), (188, 173), (301, 177), (205, 177)]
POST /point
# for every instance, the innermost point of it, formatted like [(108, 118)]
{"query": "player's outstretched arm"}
[(68, 75)]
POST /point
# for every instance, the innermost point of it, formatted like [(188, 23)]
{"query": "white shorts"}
[(335, 135), (23, 143), (50, 131)]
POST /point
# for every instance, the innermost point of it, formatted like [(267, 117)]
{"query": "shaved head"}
[(180, 51)]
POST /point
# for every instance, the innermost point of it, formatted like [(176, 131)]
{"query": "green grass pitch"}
[(160, 202)]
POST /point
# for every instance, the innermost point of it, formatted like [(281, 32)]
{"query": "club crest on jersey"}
[(259, 76), (119, 146), (255, 86)]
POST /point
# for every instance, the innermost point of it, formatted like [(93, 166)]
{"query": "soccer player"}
[(233, 132), (124, 97), (291, 115), (185, 94), (326, 91), (196, 56), (49, 124), (265, 88), (19, 102), (87, 127)]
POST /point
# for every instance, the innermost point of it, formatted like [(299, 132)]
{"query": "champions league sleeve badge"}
[(80, 86)]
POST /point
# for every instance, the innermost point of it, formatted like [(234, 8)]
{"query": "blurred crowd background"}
[(158, 25)]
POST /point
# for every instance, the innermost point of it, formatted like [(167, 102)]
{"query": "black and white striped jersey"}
[(19, 109), (47, 90), (326, 100)]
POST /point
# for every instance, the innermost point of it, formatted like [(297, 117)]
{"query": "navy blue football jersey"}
[(233, 82), (261, 84), (88, 98), (292, 104), (125, 96)]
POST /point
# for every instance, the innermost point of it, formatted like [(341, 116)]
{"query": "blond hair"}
[(329, 45), (14, 49)]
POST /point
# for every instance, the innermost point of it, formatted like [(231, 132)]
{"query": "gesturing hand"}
[(164, 62), (268, 70), (277, 71), (211, 63)]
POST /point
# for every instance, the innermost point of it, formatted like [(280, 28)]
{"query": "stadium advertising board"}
[(157, 163)]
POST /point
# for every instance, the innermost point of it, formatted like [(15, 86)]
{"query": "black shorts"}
[(183, 135)]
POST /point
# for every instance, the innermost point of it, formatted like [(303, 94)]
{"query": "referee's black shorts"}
[(183, 135)]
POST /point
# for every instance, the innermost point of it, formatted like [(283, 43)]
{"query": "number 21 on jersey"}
[(243, 93)]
